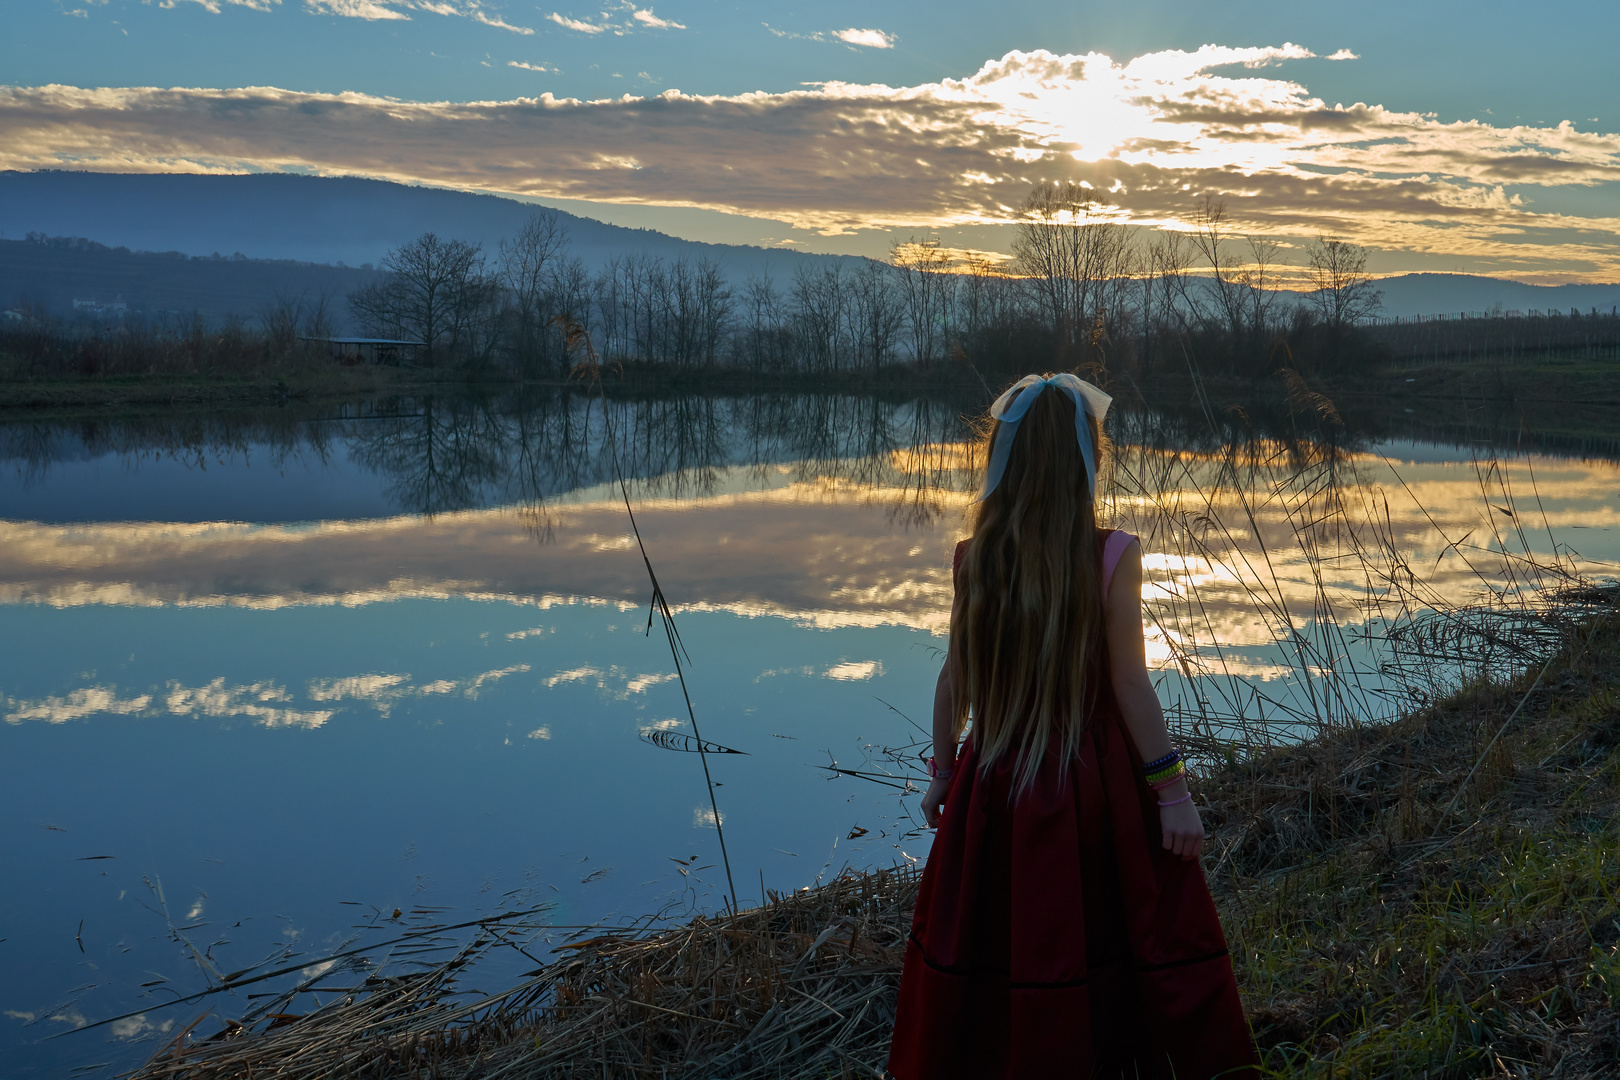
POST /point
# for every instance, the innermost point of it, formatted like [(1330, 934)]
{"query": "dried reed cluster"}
[(1438, 896), (803, 985)]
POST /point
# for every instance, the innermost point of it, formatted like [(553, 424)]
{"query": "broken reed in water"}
[(802, 986)]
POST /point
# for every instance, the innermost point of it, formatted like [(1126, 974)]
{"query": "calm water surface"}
[(265, 682)]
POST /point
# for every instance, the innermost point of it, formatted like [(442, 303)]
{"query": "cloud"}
[(476, 683), (264, 702), (578, 674), (1343, 54), (871, 39), (619, 19), (633, 684), (531, 67), (261, 702), (647, 18), (383, 692), (132, 1027), (854, 670), (76, 705), (375, 10), (479, 15), (213, 6), (1155, 133), (354, 9), (575, 24)]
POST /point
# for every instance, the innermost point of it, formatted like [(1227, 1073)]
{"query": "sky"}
[(1480, 137)]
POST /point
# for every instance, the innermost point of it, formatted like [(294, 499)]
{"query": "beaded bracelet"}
[(1162, 763), (1177, 802), (1182, 775), (1166, 773)]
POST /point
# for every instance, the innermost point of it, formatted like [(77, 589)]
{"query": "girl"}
[(1063, 927)]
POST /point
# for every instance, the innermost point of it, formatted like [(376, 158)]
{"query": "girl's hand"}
[(1183, 830), (934, 800)]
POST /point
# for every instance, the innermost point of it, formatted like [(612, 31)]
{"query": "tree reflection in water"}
[(442, 454), (1284, 556)]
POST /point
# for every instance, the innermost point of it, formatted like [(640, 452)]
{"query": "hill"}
[(58, 273), (1451, 294), (318, 219), (353, 221)]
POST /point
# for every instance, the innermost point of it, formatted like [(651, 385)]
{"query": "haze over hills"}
[(317, 219), (63, 272), (352, 221)]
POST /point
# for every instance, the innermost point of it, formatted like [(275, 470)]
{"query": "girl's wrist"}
[(1173, 792)]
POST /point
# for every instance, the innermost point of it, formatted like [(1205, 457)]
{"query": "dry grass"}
[(802, 986), (1437, 897)]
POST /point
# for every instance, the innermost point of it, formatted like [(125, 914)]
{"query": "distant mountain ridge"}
[(353, 221), (83, 277), (345, 220), (1453, 294)]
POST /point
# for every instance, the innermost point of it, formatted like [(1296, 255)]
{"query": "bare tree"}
[(433, 291), (1259, 279), (527, 269), (281, 320), (1211, 236), (611, 293), (875, 316), (318, 315), (711, 310), (1242, 294), (1341, 292), (990, 301), (1073, 258), (926, 289), (819, 302), (765, 339), (1166, 305)]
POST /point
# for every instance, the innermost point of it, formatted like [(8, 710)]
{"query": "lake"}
[(276, 683)]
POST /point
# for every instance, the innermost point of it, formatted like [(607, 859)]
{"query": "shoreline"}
[(1440, 894), (1563, 407), (1548, 380)]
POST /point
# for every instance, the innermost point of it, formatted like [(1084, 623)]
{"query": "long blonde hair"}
[(1029, 640)]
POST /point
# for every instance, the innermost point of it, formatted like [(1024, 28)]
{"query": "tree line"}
[(1080, 289)]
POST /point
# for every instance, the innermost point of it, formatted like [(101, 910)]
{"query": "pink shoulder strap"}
[(1117, 542)]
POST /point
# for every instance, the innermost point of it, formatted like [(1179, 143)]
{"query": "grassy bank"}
[(1437, 897)]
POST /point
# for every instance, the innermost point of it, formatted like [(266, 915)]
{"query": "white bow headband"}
[(1010, 408)]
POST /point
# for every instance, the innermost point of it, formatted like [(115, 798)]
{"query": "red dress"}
[(1055, 937)]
